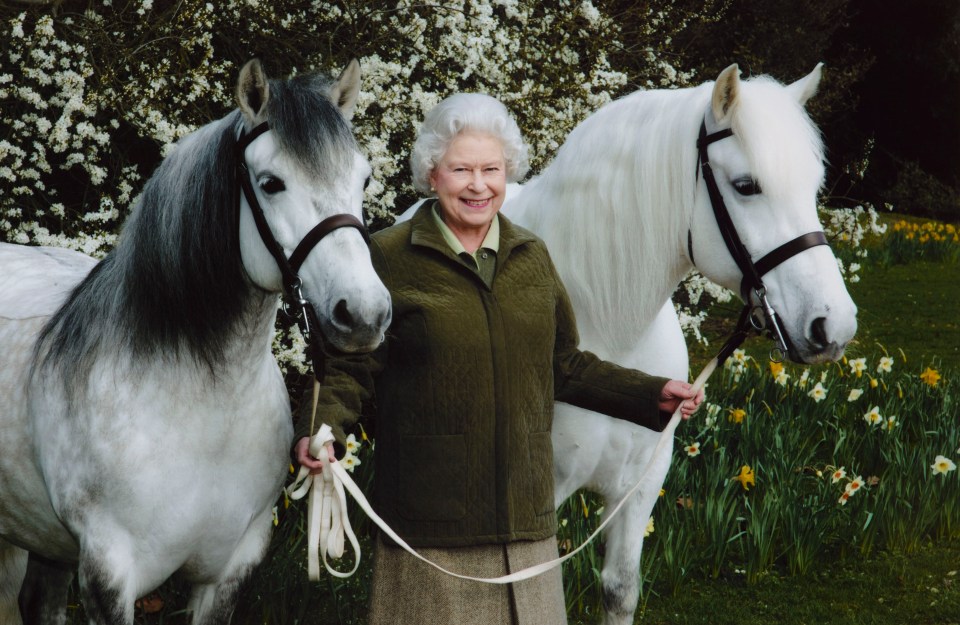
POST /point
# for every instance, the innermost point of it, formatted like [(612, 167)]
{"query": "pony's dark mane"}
[(175, 284)]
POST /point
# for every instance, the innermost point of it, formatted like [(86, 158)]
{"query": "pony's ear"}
[(806, 87), (253, 90), (345, 91), (726, 91)]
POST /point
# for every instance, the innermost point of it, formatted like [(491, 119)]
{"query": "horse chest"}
[(207, 454)]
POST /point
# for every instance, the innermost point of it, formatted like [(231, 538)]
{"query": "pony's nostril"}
[(818, 331), (341, 314)]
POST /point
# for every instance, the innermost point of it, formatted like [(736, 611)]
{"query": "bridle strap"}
[(321, 230), (259, 218), (789, 250), (728, 231)]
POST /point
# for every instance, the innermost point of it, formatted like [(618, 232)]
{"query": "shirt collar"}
[(491, 241)]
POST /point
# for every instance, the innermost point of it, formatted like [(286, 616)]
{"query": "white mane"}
[(615, 205), (622, 186)]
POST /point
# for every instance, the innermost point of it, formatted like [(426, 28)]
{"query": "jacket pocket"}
[(433, 478), (541, 473)]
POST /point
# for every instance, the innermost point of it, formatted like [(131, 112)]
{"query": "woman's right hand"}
[(302, 449)]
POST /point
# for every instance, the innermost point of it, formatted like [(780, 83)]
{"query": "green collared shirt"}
[(484, 260)]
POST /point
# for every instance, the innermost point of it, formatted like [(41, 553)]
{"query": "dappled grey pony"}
[(144, 423)]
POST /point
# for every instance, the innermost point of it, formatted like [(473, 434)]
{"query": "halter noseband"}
[(290, 267), (752, 271)]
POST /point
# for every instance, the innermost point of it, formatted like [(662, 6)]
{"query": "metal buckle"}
[(300, 313), (771, 325)]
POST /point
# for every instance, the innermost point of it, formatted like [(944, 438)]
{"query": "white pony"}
[(145, 427), (626, 213)]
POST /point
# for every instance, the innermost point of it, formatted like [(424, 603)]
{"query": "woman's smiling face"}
[(471, 183)]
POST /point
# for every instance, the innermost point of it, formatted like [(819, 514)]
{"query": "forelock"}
[(309, 127), (780, 140)]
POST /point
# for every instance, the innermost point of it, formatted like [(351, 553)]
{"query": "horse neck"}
[(174, 287), (614, 208)]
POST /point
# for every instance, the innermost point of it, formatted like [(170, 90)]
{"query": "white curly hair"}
[(462, 112)]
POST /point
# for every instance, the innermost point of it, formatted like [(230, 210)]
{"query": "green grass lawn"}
[(913, 307), (921, 588)]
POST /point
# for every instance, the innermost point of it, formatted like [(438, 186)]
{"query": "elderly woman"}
[(483, 341)]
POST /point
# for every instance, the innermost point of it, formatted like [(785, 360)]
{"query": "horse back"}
[(34, 281)]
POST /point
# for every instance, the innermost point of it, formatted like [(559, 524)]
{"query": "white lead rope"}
[(329, 526)]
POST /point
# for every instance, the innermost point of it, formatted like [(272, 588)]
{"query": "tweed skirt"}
[(406, 590)]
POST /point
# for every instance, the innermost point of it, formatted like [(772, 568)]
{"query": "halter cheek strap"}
[(290, 267), (752, 271)]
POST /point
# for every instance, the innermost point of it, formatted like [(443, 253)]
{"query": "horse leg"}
[(108, 581), (620, 576), (13, 568), (213, 603), (43, 598)]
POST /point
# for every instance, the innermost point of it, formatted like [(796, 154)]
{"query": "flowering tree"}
[(93, 94)]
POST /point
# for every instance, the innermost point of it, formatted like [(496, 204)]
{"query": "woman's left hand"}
[(676, 393)]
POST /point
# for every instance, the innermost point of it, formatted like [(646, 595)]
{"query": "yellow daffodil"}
[(891, 423), (276, 517), (746, 477), (776, 368), (363, 434), (886, 364), (838, 475), (737, 415), (857, 366), (649, 528), (662, 492), (943, 465), (584, 506), (854, 394), (693, 449), (802, 382), (873, 416), (874, 383), (818, 392), (930, 376)]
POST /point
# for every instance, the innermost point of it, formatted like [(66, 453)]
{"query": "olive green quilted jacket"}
[(464, 387)]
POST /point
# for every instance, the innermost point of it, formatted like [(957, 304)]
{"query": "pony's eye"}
[(746, 186), (366, 183), (271, 185)]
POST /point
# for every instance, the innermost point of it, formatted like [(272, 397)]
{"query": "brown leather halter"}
[(762, 317), (302, 310)]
